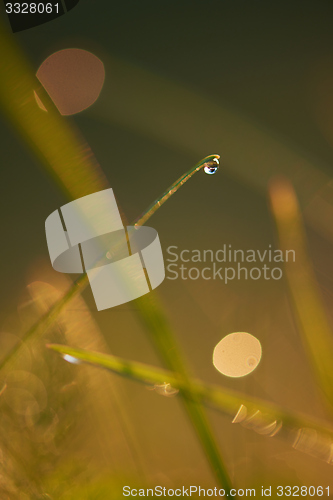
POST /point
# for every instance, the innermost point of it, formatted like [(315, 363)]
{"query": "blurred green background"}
[(251, 81)]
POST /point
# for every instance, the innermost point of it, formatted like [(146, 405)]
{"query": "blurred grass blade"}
[(53, 139), (307, 304), (56, 145), (223, 399), (48, 319), (162, 337), (166, 345), (102, 401)]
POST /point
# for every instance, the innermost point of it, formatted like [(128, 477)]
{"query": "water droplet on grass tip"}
[(211, 167)]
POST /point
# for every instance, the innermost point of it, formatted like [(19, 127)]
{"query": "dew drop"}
[(71, 359), (211, 167)]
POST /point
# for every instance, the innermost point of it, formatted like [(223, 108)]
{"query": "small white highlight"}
[(39, 102), (240, 415), (71, 359), (276, 430), (256, 421), (164, 389)]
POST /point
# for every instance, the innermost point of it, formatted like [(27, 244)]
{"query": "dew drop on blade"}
[(71, 359), (211, 167)]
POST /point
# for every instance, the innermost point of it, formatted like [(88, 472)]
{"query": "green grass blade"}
[(166, 345), (51, 137), (225, 400), (314, 326), (162, 337), (55, 143), (211, 160), (49, 318)]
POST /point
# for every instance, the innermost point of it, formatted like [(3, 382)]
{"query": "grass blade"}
[(52, 138), (55, 144), (211, 160), (225, 400), (161, 335), (48, 319), (313, 323), (165, 343)]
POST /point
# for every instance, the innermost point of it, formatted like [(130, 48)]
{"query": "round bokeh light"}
[(237, 354)]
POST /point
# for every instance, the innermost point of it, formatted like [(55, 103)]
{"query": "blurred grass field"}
[(77, 432)]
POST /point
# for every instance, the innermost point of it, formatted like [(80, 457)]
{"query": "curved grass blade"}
[(48, 319), (207, 161)]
